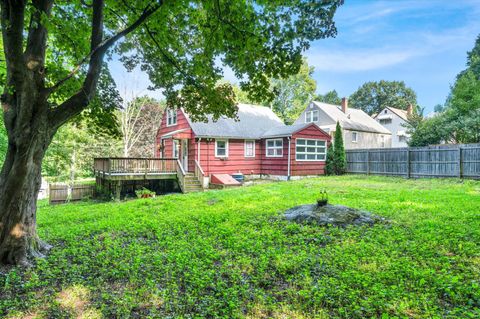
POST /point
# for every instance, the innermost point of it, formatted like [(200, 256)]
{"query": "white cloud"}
[(355, 61)]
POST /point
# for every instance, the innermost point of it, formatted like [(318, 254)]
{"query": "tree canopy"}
[(331, 97), (459, 120), (372, 97), (55, 52)]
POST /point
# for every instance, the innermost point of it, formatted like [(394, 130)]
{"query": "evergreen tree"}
[(340, 159), (330, 162)]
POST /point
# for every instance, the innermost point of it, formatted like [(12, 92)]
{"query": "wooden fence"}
[(62, 193), (462, 161)]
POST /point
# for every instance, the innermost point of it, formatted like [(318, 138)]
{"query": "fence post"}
[(460, 162), (408, 162), (368, 162)]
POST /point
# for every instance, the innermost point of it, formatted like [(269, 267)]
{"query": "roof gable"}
[(354, 119)]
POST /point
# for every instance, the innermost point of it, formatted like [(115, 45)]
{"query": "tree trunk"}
[(20, 182)]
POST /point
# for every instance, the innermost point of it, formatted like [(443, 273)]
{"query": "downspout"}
[(288, 165), (199, 141)]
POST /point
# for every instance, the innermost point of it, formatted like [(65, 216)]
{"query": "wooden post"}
[(368, 162), (118, 190), (408, 162), (460, 163)]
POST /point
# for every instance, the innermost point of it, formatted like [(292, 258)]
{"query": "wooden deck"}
[(120, 169)]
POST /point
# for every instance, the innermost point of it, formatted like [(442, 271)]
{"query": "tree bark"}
[(20, 182)]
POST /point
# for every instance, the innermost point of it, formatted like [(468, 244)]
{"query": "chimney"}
[(344, 105), (409, 109)]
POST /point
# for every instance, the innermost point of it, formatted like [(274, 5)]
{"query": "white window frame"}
[(355, 140), (253, 148), (324, 153), (275, 147), (175, 148), (309, 116), (226, 148), (171, 116)]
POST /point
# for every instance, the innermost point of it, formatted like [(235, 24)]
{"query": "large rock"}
[(331, 215)]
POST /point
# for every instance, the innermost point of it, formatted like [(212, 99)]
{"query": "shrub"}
[(330, 162), (339, 157), (144, 193)]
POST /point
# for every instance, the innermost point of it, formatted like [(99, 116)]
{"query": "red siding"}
[(275, 165), (236, 161), (308, 167)]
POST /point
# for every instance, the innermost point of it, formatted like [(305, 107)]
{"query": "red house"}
[(257, 144)]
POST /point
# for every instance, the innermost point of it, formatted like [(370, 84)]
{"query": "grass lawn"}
[(229, 254)]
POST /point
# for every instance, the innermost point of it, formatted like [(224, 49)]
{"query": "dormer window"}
[(171, 117), (311, 116)]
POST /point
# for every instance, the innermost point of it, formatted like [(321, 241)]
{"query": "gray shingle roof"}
[(355, 119), (286, 130), (253, 122)]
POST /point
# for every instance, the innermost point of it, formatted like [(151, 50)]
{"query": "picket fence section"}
[(462, 161)]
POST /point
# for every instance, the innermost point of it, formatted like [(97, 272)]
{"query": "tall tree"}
[(139, 122), (331, 97), (459, 119), (292, 94), (372, 97), (177, 43)]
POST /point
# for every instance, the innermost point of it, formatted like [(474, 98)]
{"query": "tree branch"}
[(13, 13), (37, 36), (76, 103)]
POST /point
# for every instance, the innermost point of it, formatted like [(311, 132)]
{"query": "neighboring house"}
[(394, 120), (359, 129), (258, 143)]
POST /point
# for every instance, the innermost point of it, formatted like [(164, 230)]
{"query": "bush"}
[(144, 193), (339, 152), (330, 163)]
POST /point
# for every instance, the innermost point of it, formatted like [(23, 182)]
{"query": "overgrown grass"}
[(229, 254)]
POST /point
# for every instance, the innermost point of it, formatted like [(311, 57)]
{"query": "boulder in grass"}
[(335, 215)]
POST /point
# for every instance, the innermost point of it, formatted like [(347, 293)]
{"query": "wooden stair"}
[(192, 184)]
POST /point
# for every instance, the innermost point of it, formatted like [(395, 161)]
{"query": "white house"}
[(359, 129), (394, 120)]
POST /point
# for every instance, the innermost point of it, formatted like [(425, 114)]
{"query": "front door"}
[(185, 155)]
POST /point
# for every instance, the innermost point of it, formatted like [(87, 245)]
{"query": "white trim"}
[(184, 159), (171, 113), (312, 112), (324, 153), (355, 133), (175, 147), (226, 148), (289, 157), (245, 148), (274, 147)]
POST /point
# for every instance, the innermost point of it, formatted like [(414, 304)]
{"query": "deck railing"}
[(121, 165)]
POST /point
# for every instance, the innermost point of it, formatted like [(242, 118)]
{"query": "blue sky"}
[(422, 42)]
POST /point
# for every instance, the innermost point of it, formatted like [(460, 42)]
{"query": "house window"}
[(385, 121), (275, 147), (175, 148), (382, 140), (402, 138), (354, 137), (221, 148), (249, 148), (171, 117), (310, 150), (311, 116)]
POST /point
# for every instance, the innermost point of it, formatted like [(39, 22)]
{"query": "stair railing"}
[(181, 176), (199, 173)]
